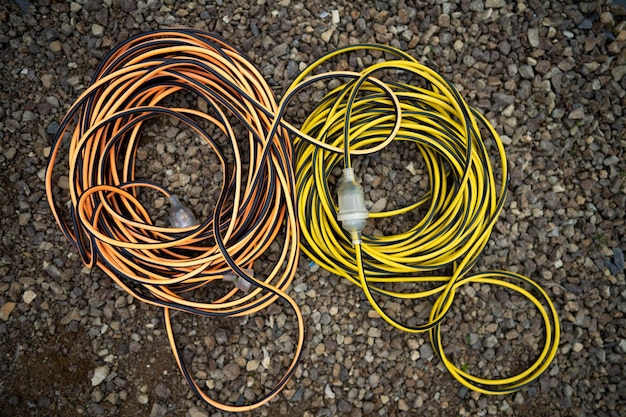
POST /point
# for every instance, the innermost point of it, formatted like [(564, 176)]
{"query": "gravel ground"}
[(550, 76)]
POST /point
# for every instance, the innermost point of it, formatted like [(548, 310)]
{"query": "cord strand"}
[(109, 225), (462, 204)]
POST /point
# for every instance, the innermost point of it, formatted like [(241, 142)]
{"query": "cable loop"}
[(109, 224), (461, 206)]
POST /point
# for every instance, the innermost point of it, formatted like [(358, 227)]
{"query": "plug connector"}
[(352, 212), (240, 282), (181, 216)]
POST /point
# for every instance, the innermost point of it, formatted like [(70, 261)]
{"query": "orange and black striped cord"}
[(110, 227)]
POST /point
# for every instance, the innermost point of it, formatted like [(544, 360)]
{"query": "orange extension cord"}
[(109, 226)]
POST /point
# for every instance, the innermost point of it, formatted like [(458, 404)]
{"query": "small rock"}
[(444, 20), (158, 410), (99, 375), (611, 160), (547, 146), (6, 310), (577, 347), (53, 271), (9, 154), (491, 341), (335, 17), (577, 114), (379, 205), (533, 37), (526, 71), (586, 24), (292, 69), (374, 332), (46, 81), (252, 365), (97, 30), (327, 35), (162, 391), (426, 352), (361, 24), (402, 405), (102, 16), (44, 402), (618, 72), (344, 407), (128, 6), (232, 371), (113, 397), (297, 395), (196, 412), (328, 392), (56, 46), (254, 29), (64, 182), (495, 4), (53, 128), (618, 259), (24, 5), (76, 7), (622, 345), (280, 50), (607, 19), (29, 296), (142, 399), (566, 64)]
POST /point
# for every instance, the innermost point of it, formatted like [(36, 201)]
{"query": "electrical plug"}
[(180, 216), (352, 212)]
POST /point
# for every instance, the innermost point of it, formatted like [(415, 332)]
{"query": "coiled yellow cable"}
[(363, 115)]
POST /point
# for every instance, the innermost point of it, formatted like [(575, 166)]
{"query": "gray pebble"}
[(128, 6), (254, 29), (426, 352), (526, 71), (618, 258), (162, 391), (158, 410), (53, 271), (53, 128), (196, 412), (24, 5), (280, 50), (533, 37), (586, 24), (232, 371), (491, 341)]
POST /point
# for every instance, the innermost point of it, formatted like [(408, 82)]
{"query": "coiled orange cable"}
[(111, 228)]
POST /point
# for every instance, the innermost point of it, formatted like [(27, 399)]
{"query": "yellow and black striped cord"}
[(461, 206)]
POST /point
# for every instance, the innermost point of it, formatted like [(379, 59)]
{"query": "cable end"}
[(181, 216), (352, 212)]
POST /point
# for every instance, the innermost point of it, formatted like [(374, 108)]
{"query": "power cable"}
[(461, 206)]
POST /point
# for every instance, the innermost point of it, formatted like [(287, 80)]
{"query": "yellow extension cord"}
[(363, 115)]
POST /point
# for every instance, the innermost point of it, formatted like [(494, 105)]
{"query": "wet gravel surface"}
[(550, 76)]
